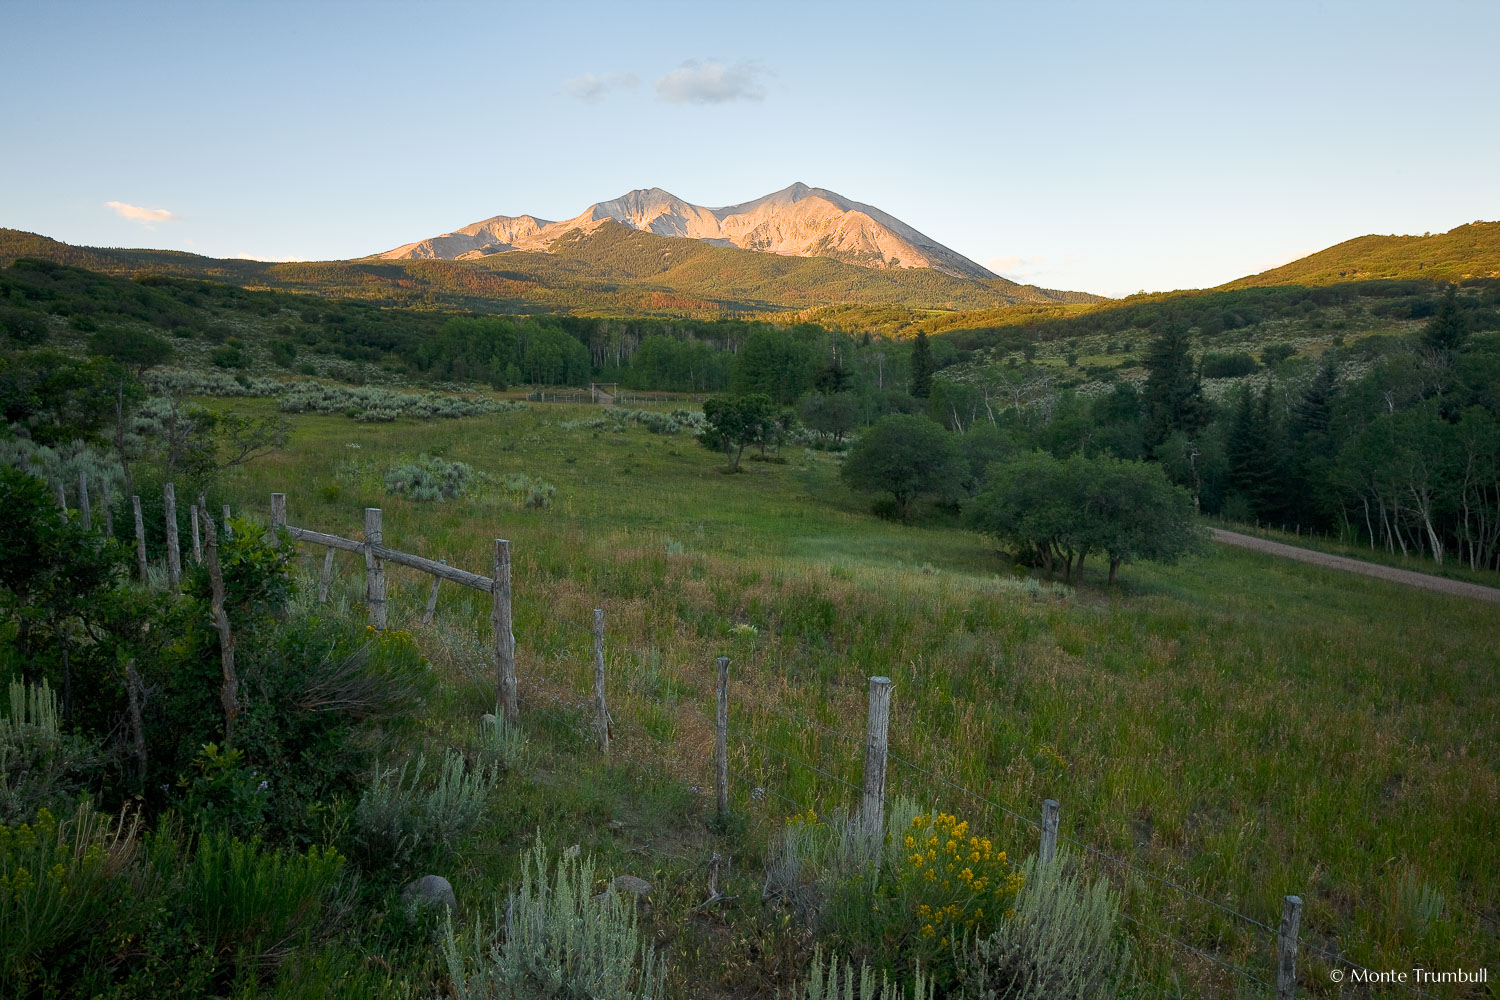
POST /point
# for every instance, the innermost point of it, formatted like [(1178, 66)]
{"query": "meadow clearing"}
[(1238, 726)]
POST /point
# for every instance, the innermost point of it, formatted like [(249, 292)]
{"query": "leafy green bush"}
[(1063, 943), (1236, 365), (560, 940), (823, 983), (431, 479), (400, 820)]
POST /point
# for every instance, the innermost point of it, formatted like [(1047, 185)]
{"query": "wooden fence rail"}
[(376, 554)]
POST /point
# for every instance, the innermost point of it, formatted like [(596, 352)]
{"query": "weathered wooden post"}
[(505, 637), (374, 568), (62, 499), (1049, 831), (877, 747), (1286, 948), (431, 597), (174, 555), (197, 535), (326, 577), (226, 517), (140, 538), (278, 517), (602, 722), (109, 513), (83, 500), (721, 739), (229, 689)]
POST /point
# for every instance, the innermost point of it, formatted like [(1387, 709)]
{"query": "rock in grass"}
[(629, 883), (429, 892)]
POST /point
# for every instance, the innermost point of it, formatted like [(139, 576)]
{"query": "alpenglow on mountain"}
[(798, 221)]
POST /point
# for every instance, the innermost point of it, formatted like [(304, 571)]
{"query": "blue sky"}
[(1108, 147)]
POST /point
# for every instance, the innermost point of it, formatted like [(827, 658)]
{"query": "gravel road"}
[(1441, 584)]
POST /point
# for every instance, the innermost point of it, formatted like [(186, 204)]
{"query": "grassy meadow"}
[(1241, 726)]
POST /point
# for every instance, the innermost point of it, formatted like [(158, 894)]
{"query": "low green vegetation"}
[(1221, 728)]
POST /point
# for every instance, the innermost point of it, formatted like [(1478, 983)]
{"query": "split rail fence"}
[(878, 757)]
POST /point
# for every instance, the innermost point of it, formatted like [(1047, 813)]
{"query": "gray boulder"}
[(429, 892)]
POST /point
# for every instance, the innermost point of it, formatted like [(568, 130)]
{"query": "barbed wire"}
[(1168, 882), (967, 791), (754, 785), (1197, 951), (799, 760), (794, 717)]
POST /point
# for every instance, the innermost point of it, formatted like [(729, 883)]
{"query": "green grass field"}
[(1238, 725)]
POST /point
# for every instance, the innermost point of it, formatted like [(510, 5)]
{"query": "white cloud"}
[(590, 88), (711, 83), (1022, 269), (136, 213)]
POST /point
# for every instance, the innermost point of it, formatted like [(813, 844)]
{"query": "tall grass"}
[(1243, 726)]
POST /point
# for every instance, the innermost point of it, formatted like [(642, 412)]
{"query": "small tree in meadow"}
[(737, 421), (908, 457)]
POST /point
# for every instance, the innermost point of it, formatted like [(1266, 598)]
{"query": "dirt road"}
[(1406, 576)]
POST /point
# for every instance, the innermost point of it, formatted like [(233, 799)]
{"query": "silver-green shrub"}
[(823, 983), (371, 404), (502, 745), (528, 491), (40, 765), (431, 479), (401, 819), (1062, 943), (557, 938)]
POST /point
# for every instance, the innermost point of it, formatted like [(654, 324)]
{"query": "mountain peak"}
[(798, 220)]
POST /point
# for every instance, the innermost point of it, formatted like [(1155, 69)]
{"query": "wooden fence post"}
[(602, 722), (278, 517), (1286, 948), (193, 510), (62, 499), (327, 576), (721, 739), (226, 517), (83, 500), (374, 568), (431, 597), (505, 637), (140, 538), (877, 746), (174, 555), (1049, 831), (229, 689)]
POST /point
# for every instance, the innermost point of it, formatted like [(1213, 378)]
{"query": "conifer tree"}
[(921, 367), (1446, 331)]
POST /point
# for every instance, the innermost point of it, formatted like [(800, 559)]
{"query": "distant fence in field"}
[(599, 397), (1286, 941)]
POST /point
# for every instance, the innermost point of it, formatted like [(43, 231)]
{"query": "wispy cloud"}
[(136, 213), (1017, 268), (590, 88), (711, 82)]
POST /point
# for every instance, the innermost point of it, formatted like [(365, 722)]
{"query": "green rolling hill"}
[(1471, 251)]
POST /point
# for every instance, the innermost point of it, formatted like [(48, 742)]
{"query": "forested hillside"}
[(613, 271)]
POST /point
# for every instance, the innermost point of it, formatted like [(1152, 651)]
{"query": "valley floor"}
[(1220, 733)]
